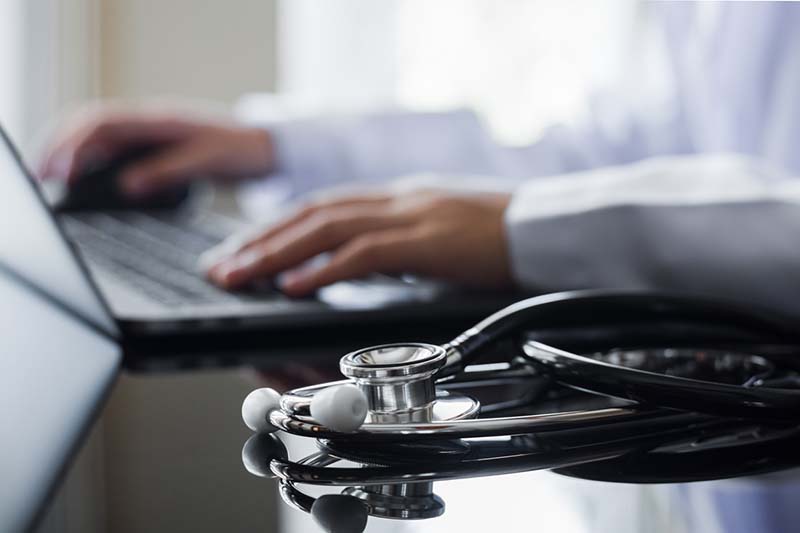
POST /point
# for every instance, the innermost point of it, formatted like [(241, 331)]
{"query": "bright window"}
[(522, 64)]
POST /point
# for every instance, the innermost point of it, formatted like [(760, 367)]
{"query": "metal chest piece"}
[(398, 381)]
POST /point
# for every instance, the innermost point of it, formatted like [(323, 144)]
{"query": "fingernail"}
[(220, 253), (245, 260), (213, 274), (211, 258), (224, 275), (223, 271)]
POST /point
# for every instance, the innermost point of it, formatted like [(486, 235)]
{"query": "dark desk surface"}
[(170, 443)]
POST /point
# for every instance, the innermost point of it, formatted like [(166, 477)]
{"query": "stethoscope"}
[(657, 355)]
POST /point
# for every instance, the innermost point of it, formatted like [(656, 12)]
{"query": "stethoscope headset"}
[(680, 380)]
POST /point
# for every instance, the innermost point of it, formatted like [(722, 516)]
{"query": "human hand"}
[(453, 236), (192, 147)]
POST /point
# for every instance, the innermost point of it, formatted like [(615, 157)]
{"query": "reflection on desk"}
[(171, 444), (397, 481)]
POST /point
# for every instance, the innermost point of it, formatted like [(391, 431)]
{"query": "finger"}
[(317, 209), (390, 250), (293, 247), (172, 166), (252, 238), (227, 248)]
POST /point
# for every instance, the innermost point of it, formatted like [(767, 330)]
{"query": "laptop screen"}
[(54, 375), (34, 248)]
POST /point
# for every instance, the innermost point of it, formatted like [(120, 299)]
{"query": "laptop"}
[(140, 267)]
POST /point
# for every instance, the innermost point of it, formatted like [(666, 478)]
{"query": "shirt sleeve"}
[(373, 148), (323, 152), (721, 225)]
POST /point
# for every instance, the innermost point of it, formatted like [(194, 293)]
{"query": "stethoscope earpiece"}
[(256, 408), (340, 408)]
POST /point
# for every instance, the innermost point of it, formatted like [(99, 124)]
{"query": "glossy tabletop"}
[(170, 442)]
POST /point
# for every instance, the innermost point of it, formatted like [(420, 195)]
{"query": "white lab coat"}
[(641, 199)]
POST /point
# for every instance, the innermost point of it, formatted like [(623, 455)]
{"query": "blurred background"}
[(289, 57)]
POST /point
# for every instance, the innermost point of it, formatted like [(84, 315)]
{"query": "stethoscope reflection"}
[(398, 483)]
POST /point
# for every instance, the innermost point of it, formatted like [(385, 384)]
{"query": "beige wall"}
[(200, 49), (74, 51), (129, 467)]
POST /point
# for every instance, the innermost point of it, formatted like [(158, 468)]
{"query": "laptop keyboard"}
[(155, 253)]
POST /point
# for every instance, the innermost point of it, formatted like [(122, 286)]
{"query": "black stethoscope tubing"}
[(651, 388), (609, 307), (648, 388), (654, 394)]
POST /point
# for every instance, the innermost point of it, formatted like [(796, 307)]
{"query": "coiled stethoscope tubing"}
[(755, 396)]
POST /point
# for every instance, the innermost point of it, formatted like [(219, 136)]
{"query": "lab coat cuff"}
[(569, 251), (538, 256)]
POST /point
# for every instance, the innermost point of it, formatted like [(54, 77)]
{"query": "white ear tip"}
[(342, 408), (256, 408)]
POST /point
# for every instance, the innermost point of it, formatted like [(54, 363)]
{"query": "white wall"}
[(56, 55)]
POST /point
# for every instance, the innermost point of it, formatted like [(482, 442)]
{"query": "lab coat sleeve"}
[(720, 225)]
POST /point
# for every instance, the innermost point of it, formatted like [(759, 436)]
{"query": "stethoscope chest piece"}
[(398, 382), (391, 387), (411, 501)]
